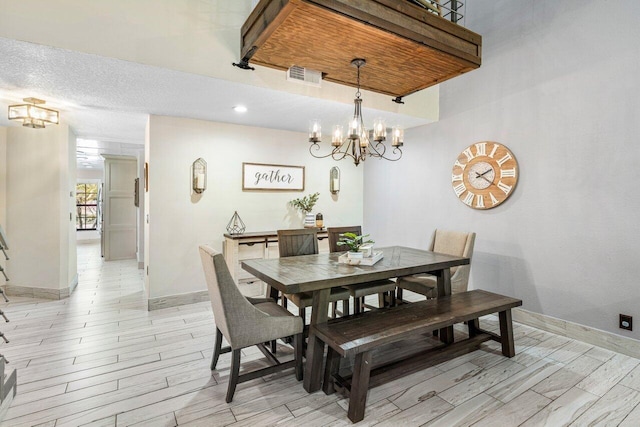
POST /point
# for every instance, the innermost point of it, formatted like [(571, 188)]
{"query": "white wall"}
[(180, 220), (91, 174), (559, 86), (40, 197), (3, 177), (68, 222), (141, 212)]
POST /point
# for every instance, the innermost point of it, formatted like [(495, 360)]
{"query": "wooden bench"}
[(358, 335)]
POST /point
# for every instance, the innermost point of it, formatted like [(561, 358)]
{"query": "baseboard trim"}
[(42, 293), (176, 300), (613, 342), (73, 285), (87, 241)]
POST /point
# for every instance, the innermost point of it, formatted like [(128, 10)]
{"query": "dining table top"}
[(307, 273)]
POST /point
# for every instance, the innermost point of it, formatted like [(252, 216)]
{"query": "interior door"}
[(119, 213)]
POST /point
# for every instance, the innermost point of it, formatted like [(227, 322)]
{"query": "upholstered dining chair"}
[(244, 324), (446, 242), (304, 241), (385, 289)]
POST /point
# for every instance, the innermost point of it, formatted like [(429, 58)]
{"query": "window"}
[(87, 206)]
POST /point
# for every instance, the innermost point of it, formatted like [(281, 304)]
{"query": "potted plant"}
[(305, 205), (354, 242)]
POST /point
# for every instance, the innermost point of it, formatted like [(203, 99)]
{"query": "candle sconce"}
[(334, 180), (236, 225), (199, 175)]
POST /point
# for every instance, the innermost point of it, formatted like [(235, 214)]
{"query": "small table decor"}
[(370, 260), (236, 225)]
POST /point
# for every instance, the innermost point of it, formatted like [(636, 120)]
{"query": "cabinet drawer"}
[(251, 250), (252, 288), (242, 274)]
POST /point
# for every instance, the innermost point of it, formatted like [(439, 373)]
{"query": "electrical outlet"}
[(626, 322)]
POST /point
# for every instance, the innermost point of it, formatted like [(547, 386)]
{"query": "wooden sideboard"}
[(256, 245)]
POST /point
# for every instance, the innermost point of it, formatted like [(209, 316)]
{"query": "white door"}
[(119, 211)]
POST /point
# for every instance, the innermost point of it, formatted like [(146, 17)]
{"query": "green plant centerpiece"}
[(305, 205), (353, 241)]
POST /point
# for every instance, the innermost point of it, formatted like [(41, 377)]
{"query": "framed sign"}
[(258, 176)]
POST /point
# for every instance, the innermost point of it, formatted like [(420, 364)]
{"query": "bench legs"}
[(331, 368), (362, 366), (359, 381), (359, 386), (506, 333), (474, 327)]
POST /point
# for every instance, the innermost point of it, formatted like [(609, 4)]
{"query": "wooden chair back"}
[(334, 236), (303, 241)]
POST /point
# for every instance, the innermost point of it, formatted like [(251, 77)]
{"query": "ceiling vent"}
[(304, 75)]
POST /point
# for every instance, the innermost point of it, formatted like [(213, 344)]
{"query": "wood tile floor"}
[(100, 358)]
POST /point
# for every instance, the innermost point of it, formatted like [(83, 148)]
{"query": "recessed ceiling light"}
[(240, 109)]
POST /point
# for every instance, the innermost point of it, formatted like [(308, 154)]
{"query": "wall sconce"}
[(334, 180), (199, 178), (32, 115)]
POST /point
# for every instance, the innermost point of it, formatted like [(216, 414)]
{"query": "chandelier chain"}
[(358, 91)]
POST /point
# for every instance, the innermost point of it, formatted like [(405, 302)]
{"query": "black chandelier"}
[(359, 142)]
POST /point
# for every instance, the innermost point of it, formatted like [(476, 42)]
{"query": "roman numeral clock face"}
[(484, 175)]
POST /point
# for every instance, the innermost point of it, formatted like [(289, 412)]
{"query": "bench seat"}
[(358, 335)]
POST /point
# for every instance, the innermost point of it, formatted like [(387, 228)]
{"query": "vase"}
[(355, 255), (309, 220)]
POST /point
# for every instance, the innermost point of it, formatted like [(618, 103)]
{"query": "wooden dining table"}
[(317, 274)]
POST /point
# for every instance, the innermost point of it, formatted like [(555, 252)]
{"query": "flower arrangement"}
[(305, 204), (353, 241)]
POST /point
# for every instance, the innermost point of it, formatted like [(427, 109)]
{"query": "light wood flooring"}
[(99, 358)]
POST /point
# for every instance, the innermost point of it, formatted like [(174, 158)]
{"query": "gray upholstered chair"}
[(304, 241), (244, 324), (446, 242), (385, 289)]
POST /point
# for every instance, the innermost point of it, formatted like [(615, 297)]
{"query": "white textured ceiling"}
[(109, 100)]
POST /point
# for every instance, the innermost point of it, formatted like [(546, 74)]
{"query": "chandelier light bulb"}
[(315, 130), (379, 130), (336, 138), (398, 137)]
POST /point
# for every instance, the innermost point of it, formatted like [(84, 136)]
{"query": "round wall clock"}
[(484, 175)]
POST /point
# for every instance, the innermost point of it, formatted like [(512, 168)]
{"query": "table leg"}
[(315, 347), (273, 293), (506, 333), (474, 327), (444, 289)]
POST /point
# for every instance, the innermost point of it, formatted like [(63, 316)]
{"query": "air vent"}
[(304, 75)]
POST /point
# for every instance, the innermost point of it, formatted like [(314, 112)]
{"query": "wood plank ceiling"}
[(406, 48)]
